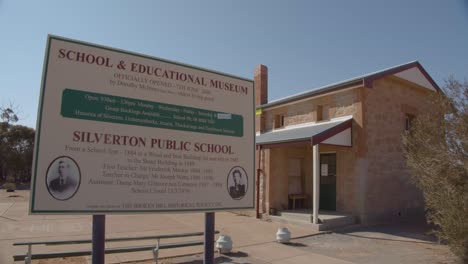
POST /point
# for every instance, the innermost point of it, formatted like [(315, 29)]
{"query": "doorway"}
[(328, 181)]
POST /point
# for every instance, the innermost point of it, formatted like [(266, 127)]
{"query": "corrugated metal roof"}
[(348, 83), (299, 133)]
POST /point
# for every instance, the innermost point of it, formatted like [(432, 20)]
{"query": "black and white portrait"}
[(63, 178), (237, 183)]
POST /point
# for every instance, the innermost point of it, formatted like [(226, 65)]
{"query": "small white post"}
[(224, 244), (283, 235), (156, 252), (28, 259), (316, 182)]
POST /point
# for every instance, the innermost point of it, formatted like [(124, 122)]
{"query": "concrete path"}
[(405, 242)]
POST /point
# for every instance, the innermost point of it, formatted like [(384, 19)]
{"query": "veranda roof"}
[(334, 132)]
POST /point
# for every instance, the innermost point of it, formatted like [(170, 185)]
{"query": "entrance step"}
[(300, 216), (328, 220)]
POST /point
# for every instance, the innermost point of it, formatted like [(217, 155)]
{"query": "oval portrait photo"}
[(237, 183), (63, 178)]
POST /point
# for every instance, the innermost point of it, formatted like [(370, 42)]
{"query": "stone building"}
[(338, 149)]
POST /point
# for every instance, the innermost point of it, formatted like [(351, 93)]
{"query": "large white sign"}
[(125, 132)]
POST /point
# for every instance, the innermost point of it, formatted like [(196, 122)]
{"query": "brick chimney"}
[(261, 94), (261, 85)]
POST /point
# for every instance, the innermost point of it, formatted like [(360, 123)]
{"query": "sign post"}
[(121, 132), (99, 231), (209, 238)]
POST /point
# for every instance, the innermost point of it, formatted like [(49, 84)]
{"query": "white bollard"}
[(224, 244), (155, 255), (283, 235)]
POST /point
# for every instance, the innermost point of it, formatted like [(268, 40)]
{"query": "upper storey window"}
[(322, 112), (279, 121), (408, 121)]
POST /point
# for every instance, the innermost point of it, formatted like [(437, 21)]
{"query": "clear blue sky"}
[(305, 44)]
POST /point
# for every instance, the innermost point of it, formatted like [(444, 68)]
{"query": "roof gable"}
[(412, 72), (416, 76)]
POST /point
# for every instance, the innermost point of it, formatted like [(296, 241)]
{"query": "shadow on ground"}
[(232, 258)]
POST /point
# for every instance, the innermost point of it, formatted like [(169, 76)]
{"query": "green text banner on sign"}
[(121, 132), (114, 109)]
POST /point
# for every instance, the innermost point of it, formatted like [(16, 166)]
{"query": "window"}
[(328, 164), (279, 121), (325, 111), (408, 121), (295, 179), (319, 112), (322, 112)]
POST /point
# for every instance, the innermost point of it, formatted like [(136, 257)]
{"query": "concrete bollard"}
[(283, 235), (224, 244)]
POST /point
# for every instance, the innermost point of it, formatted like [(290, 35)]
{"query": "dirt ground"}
[(17, 196), (406, 242)]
